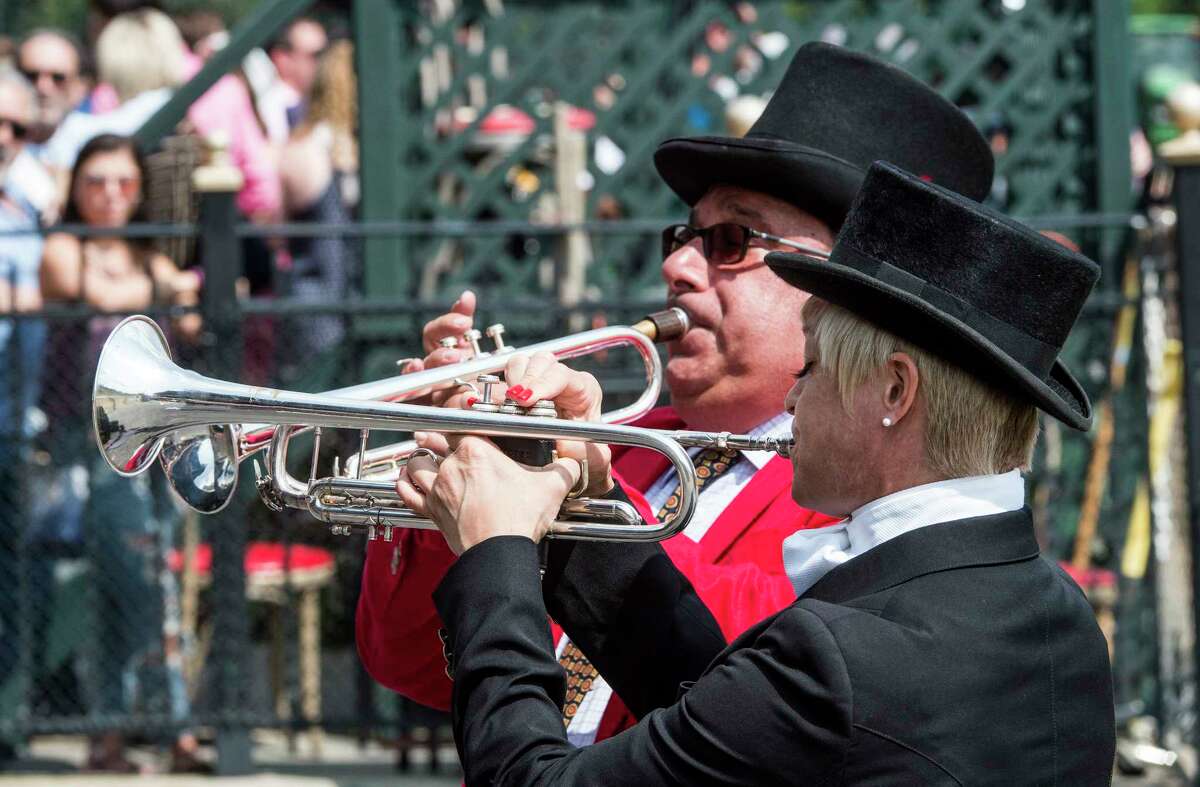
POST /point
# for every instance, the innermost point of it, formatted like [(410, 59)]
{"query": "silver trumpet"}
[(201, 462), (140, 397)]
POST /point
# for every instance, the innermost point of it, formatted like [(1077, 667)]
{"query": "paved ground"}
[(54, 761)]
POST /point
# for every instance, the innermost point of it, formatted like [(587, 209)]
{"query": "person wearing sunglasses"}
[(927, 640), (51, 61), (110, 273), (22, 345), (786, 186)]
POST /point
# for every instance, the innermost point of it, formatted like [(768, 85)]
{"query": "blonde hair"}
[(139, 51), (972, 427), (335, 102)]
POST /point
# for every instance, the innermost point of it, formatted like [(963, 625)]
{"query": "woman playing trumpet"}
[(928, 643)]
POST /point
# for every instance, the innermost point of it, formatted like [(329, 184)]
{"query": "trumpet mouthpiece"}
[(664, 326)]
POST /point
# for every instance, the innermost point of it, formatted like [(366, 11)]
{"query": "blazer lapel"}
[(979, 541)]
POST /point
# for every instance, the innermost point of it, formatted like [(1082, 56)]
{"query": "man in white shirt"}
[(295, 55)]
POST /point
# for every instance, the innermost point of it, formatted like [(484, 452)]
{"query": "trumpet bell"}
[(201, 463), (134, 363)]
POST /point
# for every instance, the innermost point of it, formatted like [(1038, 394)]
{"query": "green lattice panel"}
[(1027, 71)]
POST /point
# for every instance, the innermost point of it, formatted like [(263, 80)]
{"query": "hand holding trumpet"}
[(477, 492)]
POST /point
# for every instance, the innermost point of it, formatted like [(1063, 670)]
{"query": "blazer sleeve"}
[(620, 602), (768, 713), (396, 625)]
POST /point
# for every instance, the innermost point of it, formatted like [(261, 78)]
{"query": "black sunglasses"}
[(19, 129), (725, 243), (59, 78)]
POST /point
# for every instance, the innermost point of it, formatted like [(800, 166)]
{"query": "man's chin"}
[(687, 378)]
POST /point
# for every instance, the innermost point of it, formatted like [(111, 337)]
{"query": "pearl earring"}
[(887, 421)]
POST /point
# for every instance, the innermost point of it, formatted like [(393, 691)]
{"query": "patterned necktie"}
[(711, 463)]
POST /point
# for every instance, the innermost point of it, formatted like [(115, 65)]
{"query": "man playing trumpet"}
[(788, 183), (928, 641)]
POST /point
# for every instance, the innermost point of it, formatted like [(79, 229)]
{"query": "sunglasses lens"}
[(727, 243), (17, 129), (674, 237)]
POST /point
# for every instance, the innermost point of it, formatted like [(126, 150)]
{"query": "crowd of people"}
[(295, 101), (72, 174)]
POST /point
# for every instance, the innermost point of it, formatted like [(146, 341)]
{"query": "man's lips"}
[(694, 320)]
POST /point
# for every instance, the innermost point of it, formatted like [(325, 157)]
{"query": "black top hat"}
[(959, 280), (834, 113)]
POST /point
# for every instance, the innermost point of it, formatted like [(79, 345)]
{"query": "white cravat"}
[(810, 554)]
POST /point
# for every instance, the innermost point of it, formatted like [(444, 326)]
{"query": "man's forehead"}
[(50, 46), (744, 206)]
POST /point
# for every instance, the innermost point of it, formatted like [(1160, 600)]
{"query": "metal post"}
[(378, 31), (1114, 117), (1183, 153), (217, 184)]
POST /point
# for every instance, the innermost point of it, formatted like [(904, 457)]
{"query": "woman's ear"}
[(900, 393)]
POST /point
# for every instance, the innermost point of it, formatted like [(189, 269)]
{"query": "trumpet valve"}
[(472, 338), (486, 381), (496, 334)]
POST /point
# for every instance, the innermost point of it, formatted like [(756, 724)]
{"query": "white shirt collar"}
[(776, 426), (809, 554)]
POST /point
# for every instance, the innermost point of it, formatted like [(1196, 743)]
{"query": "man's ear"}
[(902, 380)]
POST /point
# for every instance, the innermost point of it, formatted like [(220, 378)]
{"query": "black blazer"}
[(952, 654)]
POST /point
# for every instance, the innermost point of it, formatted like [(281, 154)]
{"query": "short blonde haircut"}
[(973, 428), (139, 51)]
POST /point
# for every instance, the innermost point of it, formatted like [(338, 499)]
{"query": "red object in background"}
[(507, 119), (262, 557), (1090, 578)]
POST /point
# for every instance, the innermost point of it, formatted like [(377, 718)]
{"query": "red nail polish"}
[(514, 392), (471, 400), (524, 395)]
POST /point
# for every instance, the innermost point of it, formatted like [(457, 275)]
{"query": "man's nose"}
[(685, 269)]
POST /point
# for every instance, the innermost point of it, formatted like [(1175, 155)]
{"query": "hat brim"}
[(904, 314), (811, 179)]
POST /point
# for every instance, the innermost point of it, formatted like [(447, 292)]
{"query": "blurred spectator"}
[(227, 108), (320, 184), (125, 536), (203, 31), (142, 56), (52, 61), (20, 342), (21, 346), (295, 54)]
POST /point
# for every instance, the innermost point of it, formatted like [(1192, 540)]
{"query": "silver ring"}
[(425, 452), (582, 483)]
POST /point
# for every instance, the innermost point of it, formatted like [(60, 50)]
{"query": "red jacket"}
[(737, 569)]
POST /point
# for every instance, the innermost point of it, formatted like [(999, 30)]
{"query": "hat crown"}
[(834, 113), (862, 109), (989, 261), (959, 280)]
